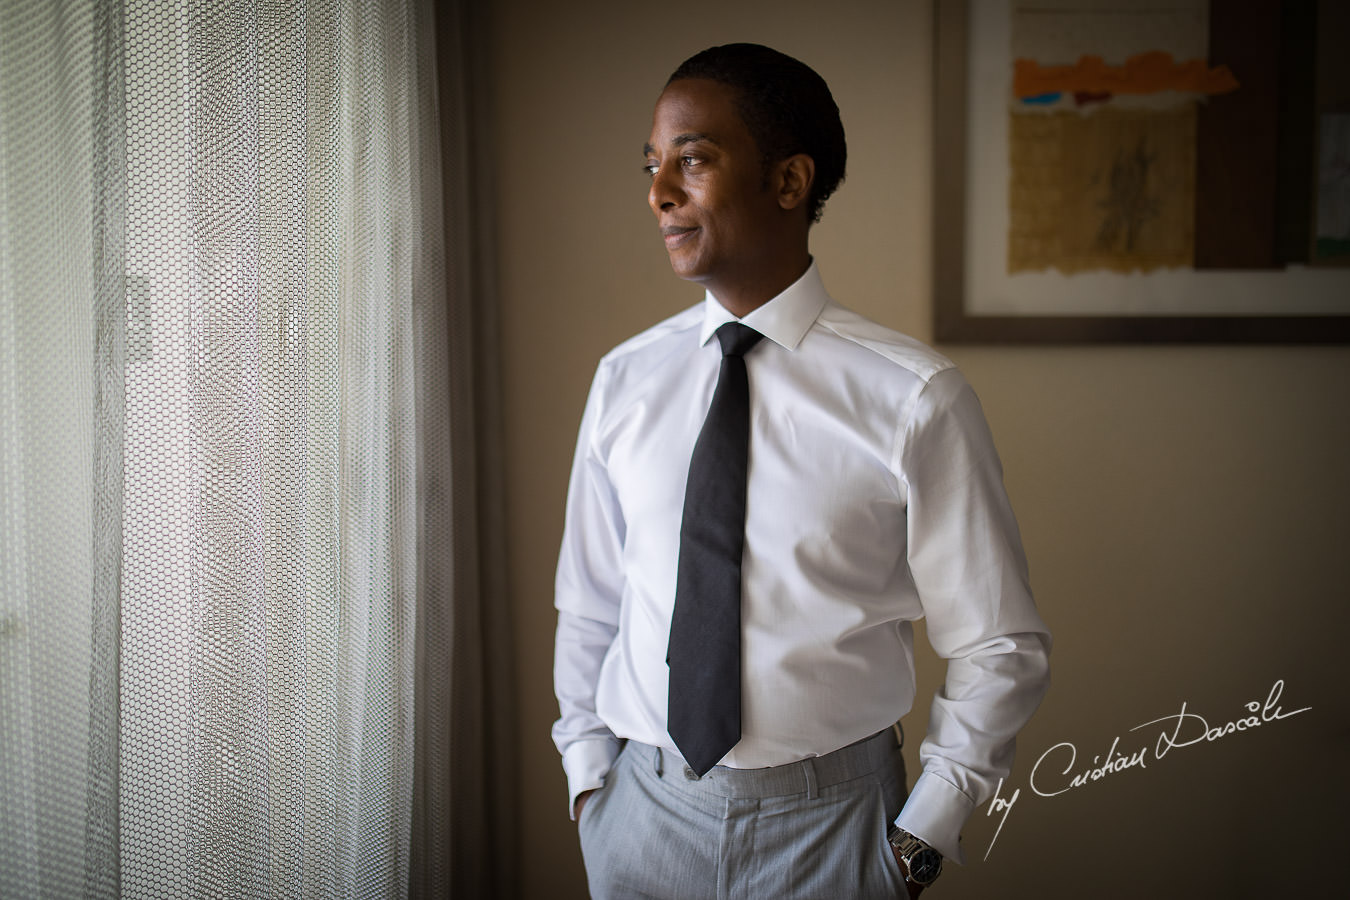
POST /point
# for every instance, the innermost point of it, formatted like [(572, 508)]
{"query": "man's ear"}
[(795, 176)]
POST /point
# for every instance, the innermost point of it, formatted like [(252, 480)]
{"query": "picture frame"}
[(1229, 306)]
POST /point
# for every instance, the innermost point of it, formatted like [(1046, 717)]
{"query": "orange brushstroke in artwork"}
[(1143, 73)]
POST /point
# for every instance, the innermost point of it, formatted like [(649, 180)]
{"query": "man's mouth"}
[(675, 235)]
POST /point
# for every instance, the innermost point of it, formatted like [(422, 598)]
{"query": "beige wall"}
[(1183, 508)]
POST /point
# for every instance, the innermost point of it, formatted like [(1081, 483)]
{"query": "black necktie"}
[(704, 716)]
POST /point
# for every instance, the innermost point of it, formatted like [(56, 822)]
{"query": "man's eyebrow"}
[(680, 140)]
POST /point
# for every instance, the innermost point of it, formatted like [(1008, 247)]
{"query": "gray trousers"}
[(811, 829)]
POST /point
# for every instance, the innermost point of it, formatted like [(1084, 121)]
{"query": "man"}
[(869, 496)]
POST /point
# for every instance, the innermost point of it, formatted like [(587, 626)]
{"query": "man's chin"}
[(686, 269)]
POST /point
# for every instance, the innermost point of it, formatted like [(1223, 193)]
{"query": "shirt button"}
[(690, 774)]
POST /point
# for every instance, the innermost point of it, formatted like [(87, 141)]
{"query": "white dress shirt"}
[(875, 498)]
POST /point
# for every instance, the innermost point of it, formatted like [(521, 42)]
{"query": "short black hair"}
[(786, 106)]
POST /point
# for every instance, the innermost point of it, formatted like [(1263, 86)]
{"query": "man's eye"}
[(651, 168)]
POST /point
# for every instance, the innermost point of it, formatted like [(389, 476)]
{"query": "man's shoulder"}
[(908, 354), (649, 346)]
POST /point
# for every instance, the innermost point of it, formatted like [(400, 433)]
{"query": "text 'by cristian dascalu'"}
[(1058, 770)]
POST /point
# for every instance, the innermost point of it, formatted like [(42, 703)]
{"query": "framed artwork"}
[(1109, 173)]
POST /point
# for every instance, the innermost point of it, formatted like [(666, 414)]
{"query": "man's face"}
[(720, 221)]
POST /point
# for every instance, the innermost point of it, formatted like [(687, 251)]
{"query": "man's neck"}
[(741, 300)]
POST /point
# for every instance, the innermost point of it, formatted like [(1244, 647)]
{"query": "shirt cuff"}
[(935, 813), (586, 764)]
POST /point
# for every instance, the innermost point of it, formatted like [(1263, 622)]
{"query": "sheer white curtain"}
[(225, 421), (61, 340)]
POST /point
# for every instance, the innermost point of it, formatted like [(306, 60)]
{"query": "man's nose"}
[(665, 191)]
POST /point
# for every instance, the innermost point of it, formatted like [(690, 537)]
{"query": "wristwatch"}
[(923, 862)]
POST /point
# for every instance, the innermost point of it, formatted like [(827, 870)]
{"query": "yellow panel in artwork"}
[(1112, 190)]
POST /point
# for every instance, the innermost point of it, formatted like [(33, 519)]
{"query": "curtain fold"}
[(251, 628), (102, 868), (465, 827), (61, 346)]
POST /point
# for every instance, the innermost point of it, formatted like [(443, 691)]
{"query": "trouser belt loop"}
[(812, 785), (658, 763)]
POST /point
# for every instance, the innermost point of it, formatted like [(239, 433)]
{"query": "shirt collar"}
[(784, 320)]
